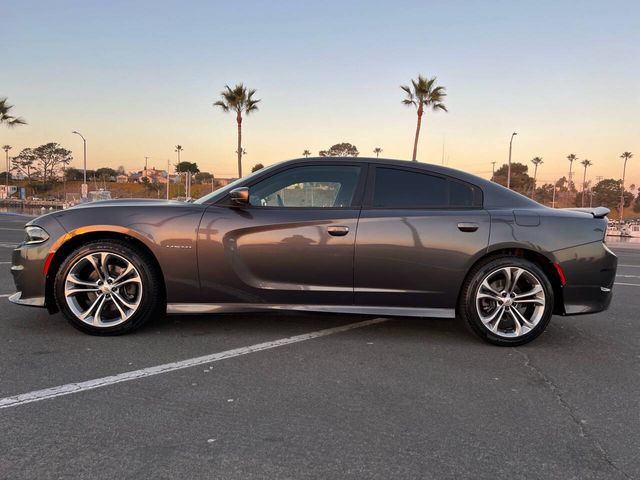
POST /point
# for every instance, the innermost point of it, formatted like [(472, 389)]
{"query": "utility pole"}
[(493, 170), (509, 167)]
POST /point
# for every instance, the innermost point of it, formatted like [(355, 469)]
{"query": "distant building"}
[(224, 181), (122, 178)]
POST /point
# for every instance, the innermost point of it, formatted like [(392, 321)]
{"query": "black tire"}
[(151, 301), (467, 303)]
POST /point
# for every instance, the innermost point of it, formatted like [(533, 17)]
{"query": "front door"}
[(293, 244)]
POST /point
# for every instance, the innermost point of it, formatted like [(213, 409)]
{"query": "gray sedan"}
[(356, 235)]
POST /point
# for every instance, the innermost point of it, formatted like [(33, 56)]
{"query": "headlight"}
[(35, 235)]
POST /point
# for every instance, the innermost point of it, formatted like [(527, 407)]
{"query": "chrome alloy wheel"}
[(510, 301), (103, 289)]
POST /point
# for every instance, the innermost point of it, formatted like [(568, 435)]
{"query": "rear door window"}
[(399, 188)]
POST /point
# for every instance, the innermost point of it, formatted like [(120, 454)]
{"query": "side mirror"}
[(240, 196)]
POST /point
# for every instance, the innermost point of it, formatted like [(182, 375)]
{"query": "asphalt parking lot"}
[(397, 398)]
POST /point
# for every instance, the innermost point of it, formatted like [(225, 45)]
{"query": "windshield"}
[(222, 191)]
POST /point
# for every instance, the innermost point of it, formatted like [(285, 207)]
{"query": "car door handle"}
[(338, 230), (467, 227)]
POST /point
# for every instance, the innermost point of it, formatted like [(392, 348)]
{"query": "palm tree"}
[(536, 161), (178, 150), (6, 118), (240, 100), (586, 163), (377, 151), (423, 93), (571, 157), (625, 156), (306, 154)]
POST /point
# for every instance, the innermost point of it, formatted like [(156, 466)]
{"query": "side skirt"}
[(196, 308)]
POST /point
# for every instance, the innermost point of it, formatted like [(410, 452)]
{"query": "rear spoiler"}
[(597, 212)]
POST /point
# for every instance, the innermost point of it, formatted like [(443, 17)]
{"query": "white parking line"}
[(5, 263), (628, 284), (628, 276), (12, 229), (8, 245), (6, 295), (70, 388), (633, 266)]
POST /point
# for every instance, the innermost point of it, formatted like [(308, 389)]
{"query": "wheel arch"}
[(69, 242), (546, 264)]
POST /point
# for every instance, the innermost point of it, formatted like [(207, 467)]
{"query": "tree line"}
[(606, 192)]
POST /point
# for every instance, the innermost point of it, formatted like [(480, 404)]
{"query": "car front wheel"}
[(507, 301), (108, 287)]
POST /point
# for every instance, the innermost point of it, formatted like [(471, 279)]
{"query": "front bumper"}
[(27, 265), (590, 271)]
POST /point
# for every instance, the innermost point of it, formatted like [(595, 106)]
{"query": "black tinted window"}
[(402, 188), (396, 188)]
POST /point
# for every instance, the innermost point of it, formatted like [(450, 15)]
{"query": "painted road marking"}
[(633, 266), (628, 276), (12, 229), (70, 388), (5, 263), (628, 284), (8, 245), (6, 295)]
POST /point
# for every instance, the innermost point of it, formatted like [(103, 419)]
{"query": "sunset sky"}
[(137, 78)]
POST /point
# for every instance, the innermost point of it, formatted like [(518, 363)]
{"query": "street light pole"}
[(509, 167), (624, 171), (6, 151), (168, 177), (84, 176)]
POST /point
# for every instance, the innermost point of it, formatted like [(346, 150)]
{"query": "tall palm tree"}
[(377, 151), (571, 157), (5, 117), (536, 161), (423, 93), (240, 100), (586, 163), (625, 156), (306, 154)]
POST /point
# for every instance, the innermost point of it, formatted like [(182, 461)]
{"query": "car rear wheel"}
[(507, 301), (108, 287)]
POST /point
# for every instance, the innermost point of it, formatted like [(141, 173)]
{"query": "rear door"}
[(417, 237)]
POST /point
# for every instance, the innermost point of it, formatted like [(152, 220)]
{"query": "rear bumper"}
[(29, 302), (590, 271)]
